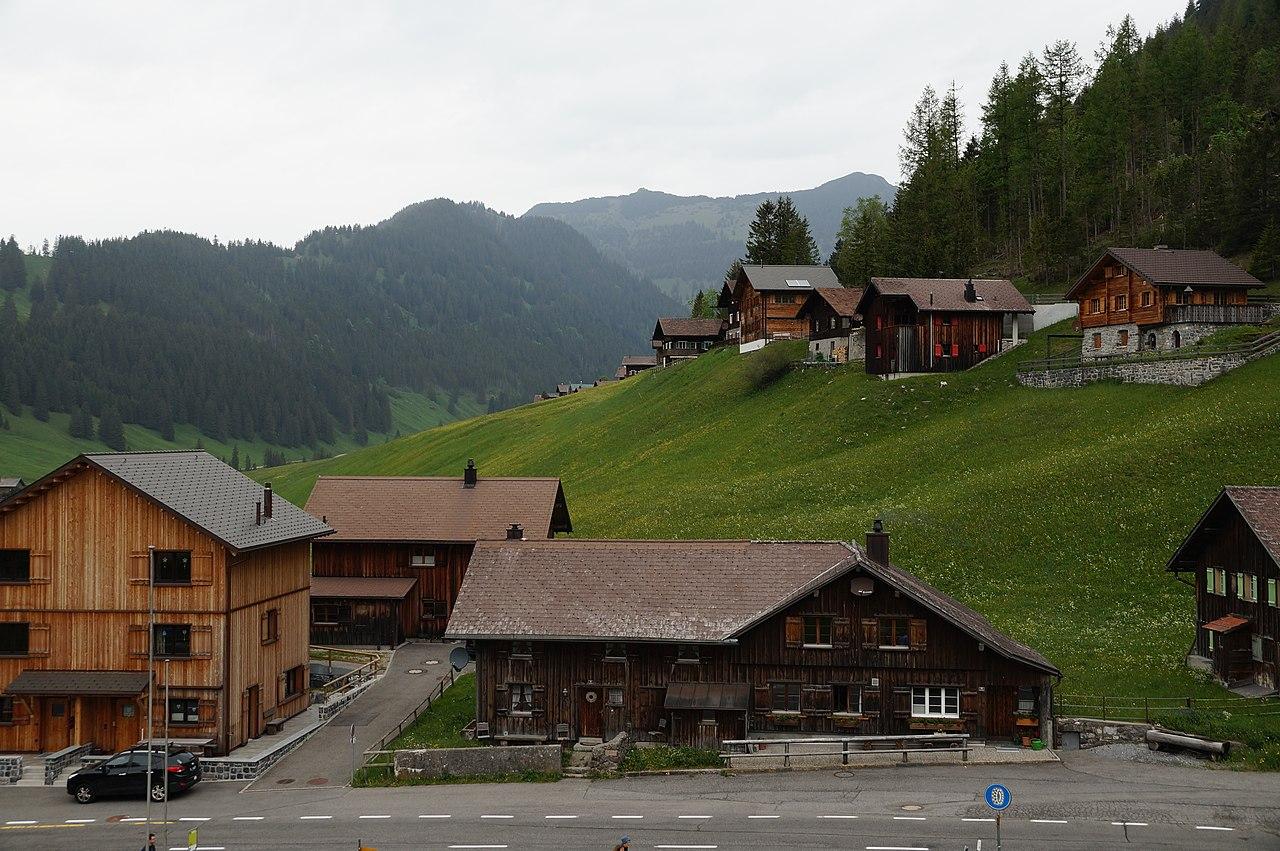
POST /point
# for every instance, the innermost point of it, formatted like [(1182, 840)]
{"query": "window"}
[(330, 613), (6, 710), (688, 653), (1121, 302), (817, 630), (15, 565), (15, 639), (293, 681), (434, 608), (1146, 298), (422, 558), (1247, 587), (894, 633), (172, 567), (1026, 699), (172, 640), (521, 697), (1215, 581), (184, 710), (1123, 338), (1095, 305), (1212, 641), (270, 626), (784, 697), (935, 702), (613, 696), (1271, 592), (522, 650), (784, 298), (1097, 341), (846, 698), (615, 650)]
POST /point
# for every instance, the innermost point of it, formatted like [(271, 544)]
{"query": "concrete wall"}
[(1046, 315), (462, 762), (855, 345)]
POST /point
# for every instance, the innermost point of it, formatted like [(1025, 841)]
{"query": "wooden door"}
[(97, 723), (590, 703), (57, 723), (251, 712)]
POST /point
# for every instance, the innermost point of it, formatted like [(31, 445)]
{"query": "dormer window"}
[(522, 650), (423, 558), (688, 653)]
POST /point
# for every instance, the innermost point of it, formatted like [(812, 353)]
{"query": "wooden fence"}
[(378, 758), (1150, 709), (1077, 360)]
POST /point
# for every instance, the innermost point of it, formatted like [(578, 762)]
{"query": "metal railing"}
[(855, 745), (422, 707), (371, 669), (1192, 352), (1048, 298), (1218, 314), (1150, 709)]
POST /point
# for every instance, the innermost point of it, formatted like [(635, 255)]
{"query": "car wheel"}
[(157, 791), (83, 794)]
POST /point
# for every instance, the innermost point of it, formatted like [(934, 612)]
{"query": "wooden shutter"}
[(763, 699), (502, 699), (870, 634), (815, 699), (841, 632), (139, 567), (201, 641), (40, 567), (540, 700), (138, 640), (21, 711), (202, 568), (795, 631), (969, 701), (918, 632), (901, 703), (208, 711), (871, 700), (38, 639), (263, 635)]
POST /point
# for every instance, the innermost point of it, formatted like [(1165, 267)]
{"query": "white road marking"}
[(977, 819), (193, 818), (314, 818), (693, 816), (439, 816), (373, 816), (897, 848), (909, 818), (477, 846), (79, 821), (23, 821), (1048, 821), (130, 819), (764, 816), (199, 848), (686, 846), (837, 816), (497, 816), (1211, 827), (1128, 824), (248, 818), (629, 817), (554, 817)]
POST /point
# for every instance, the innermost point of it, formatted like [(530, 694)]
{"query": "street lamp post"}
[(151, 667)]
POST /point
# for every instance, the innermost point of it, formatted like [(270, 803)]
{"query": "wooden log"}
[(1156, 738)]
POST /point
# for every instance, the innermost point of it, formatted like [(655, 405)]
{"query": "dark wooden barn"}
[(583, 639), (676, 339), (418, 528), (937, 324), (1233, 557)]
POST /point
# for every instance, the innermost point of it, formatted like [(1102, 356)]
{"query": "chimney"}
[(257, 513), (268, 501), (878, 543), (970, 294), (515, 533), (469, 474)]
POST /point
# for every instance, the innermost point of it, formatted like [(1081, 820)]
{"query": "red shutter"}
[(982, 348), (795, 631), (870, 634), (955, 350), (937, 350), (918, 631), (841, 632)]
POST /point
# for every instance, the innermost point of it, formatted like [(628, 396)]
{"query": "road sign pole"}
[(999, 846)]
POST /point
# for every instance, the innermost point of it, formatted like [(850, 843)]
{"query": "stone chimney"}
[(469, 474), (515, 532), (268, 501), (878, 543)]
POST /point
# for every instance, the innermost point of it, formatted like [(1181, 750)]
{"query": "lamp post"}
[(151, 666), (165, 818)]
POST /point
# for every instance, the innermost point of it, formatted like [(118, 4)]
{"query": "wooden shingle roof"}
[(1176, 267), (43, 682), (843, 300), (674, 326)]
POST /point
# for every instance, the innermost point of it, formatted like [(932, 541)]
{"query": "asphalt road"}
[(1084, 803)]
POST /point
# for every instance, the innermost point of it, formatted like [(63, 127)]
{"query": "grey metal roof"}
[(7, 482), (126, 683), (790, 278), (200, 489)]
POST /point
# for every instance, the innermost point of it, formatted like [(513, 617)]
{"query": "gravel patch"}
[(1143, 754)]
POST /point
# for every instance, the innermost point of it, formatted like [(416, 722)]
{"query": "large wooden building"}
[(393, 568), (1233, 557), (695, 642), (763, 303), (80, 552), (676, 339), (1156, 299), (835, 328), (937, 324)]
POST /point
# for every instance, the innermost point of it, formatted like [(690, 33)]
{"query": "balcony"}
[(1218, 314)]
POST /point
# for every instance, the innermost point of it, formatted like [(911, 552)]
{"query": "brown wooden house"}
[(763, 303), (937, 324), (634, 365), (394, 566), (835, 328), (79, 552), (676, 339), (1154, 299), (584, 639), (1233, 557)]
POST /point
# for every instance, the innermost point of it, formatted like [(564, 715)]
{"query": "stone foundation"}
[(10, 768), (608, 757), (465, 762), (1094, 732), (1187, 371)]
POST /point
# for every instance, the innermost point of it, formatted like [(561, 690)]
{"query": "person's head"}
[(624, 841), (151, 837)]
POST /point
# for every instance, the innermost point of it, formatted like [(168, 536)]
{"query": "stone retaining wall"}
[(10, 768), (1094, 732), (333, 707), (1185, 372), (230, 768), (463, 762), (56, 763)]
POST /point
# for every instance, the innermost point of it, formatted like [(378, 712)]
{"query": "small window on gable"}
[(1271, 593), (423, 557), (615, 650), (184, 710), (172, 567), (1146, 298), (15, 565), (521, 697), (895, 633), (522, 650), (270, 627), (1026, 699), (172, 640), (688, 653)]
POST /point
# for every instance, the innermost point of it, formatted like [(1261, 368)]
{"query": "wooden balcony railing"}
[(1218, 314)]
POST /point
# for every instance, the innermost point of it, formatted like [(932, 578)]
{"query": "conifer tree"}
[(111, 429), (1265, 263)]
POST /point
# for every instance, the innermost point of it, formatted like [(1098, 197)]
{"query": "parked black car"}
[(125, 774)]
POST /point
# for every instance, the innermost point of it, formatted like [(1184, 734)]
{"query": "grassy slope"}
[(31, 448), (1052, 512)]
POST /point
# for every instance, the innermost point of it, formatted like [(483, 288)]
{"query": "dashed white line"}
[(1211, 827), (193, 818), (22, 821), (977, 819), (314, 818), (247, 818), (199, 848), (1128, 824), (559, 817), (694, 817), (133, 819), (909, 818), (374, 816), (627, 817), (837, 816), (764, 816), (477, 846), (497, 816), (897, 848), (79, 821), (1048, 821), (435, 816), (686, 846)]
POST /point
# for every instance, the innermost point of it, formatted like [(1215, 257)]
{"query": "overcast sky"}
[(270, 119)]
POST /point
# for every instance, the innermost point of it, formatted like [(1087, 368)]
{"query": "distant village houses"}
[(1158, 299), (676, 339), (919, 325)]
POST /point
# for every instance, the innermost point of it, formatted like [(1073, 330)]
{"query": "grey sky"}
[(268, 120)]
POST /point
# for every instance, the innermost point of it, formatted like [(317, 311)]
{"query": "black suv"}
[(125, 774)]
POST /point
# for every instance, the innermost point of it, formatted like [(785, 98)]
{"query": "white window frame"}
[(935, 701), (518, 693)]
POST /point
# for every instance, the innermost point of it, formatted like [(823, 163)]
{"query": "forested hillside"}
[(1172, 138), (251, 342), (685, 243)]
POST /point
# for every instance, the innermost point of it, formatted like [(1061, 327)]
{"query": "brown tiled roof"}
[(1258, 507), (790, 278), (205, 492), (947, 294), (669, 326), (1178, 267), (363, 587), (679, 591), (640, 360), (843, 300), (394, 508), (1226, 623), (126, 683)]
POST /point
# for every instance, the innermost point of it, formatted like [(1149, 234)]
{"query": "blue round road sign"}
[(998, 797)]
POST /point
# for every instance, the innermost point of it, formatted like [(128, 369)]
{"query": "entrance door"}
[(590, 702), (97, 723), (251, 712), (57, 723)]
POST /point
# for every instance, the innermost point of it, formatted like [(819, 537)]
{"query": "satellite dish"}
[(459, 658)]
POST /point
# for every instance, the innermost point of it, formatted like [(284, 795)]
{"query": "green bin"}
[(1037, 745)]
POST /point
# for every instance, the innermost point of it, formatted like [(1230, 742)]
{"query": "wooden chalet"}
[(676, 339), (1153, 299), (635, 364), (80, 551), (835, 327), (393, 568), (1233, 556), (763, 303), (584, 639), (918, 325)]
